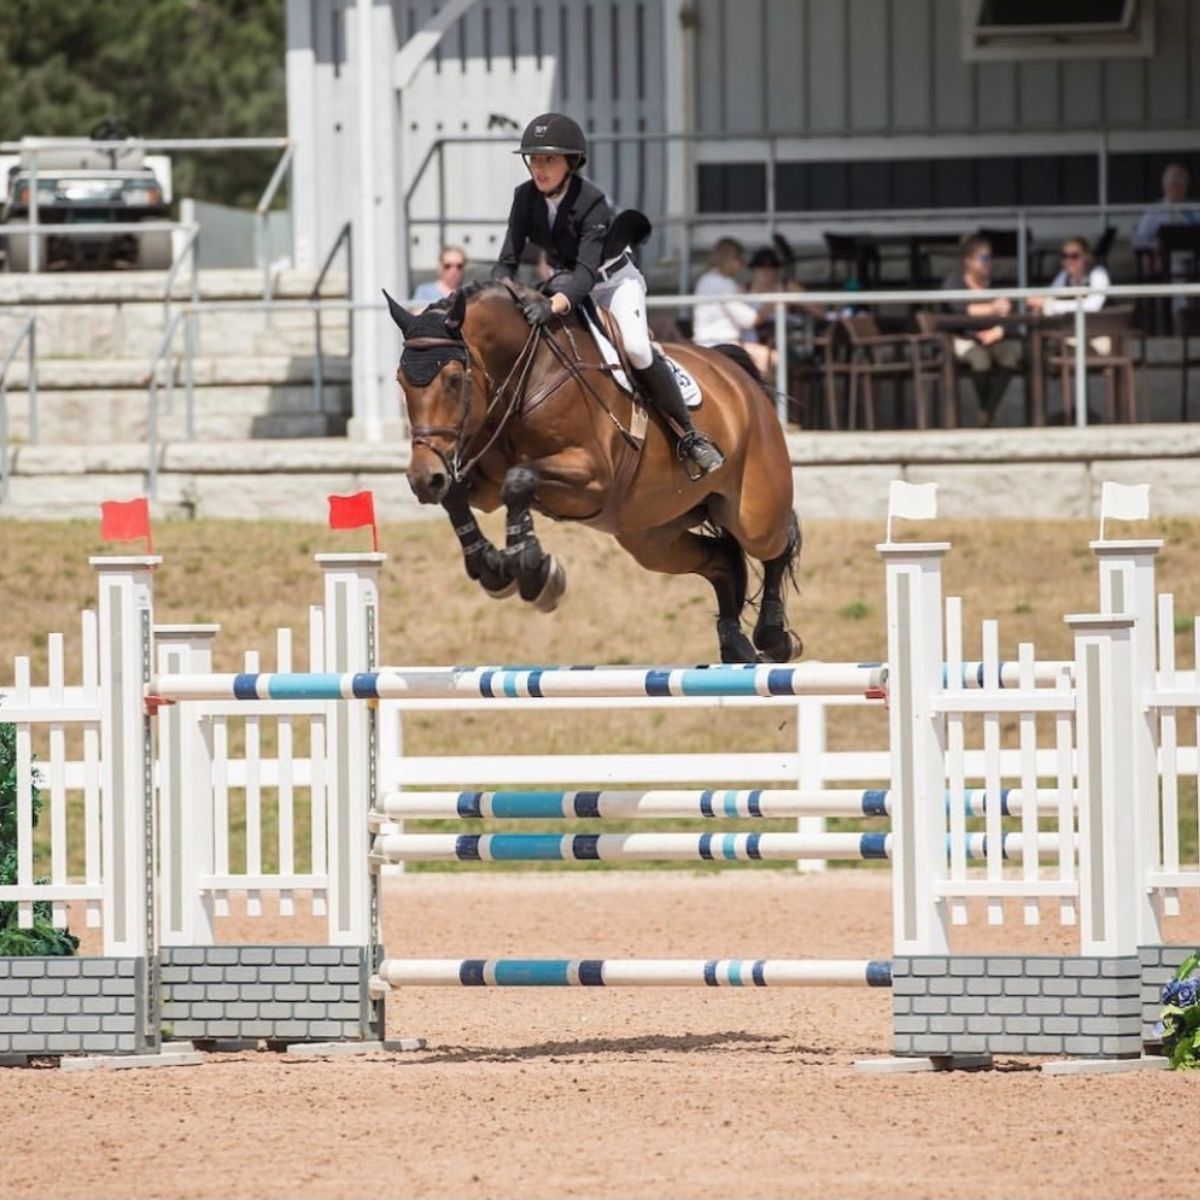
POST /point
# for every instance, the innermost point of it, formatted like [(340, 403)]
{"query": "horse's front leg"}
[(539, 576), (482, 560)]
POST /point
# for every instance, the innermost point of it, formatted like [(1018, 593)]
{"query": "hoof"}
[(736, 647), (503, 591), (777, 644), (552, 590)]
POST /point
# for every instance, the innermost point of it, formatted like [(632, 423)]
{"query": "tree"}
[(161, 68)]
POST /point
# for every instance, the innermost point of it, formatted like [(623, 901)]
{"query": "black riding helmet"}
[(553, 133)]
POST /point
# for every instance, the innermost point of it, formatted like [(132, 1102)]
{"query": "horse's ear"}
[(456, 313), (400, 315)]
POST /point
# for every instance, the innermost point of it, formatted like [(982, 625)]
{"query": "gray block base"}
[(914, 1065), (1159, 964), (56, 1006), (278, 993), (1078, 1007)]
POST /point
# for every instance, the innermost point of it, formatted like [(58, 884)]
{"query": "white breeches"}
[(625, 297)]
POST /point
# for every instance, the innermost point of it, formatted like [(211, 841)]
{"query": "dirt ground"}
[(582, 1092)]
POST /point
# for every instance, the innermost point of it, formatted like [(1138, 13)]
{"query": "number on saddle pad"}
[(687, 384)]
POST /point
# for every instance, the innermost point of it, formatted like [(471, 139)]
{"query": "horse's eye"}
[(454, 382)]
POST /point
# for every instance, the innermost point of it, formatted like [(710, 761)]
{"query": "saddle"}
[(607, 336)]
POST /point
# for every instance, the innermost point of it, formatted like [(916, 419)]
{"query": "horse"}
[(502, 414)]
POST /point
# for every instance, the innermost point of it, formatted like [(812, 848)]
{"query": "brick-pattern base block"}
[(55, 1006), (1159, 964), (1017, 1005), (280, 993)]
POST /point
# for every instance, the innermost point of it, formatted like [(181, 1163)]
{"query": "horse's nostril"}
[(437, 483)]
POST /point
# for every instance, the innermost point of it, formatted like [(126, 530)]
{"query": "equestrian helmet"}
[(554, 133)]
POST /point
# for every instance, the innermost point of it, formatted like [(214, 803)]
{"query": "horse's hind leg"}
[(720, 560), (481, 559), (771, 633)]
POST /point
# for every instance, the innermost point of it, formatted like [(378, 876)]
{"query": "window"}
[(1022, 29)]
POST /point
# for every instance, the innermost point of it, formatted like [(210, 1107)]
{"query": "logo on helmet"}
[(539, 130)]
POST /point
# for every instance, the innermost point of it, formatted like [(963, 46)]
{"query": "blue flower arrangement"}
[(1180, 1021)]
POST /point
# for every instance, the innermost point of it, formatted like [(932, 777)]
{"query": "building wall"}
[(823, 67)]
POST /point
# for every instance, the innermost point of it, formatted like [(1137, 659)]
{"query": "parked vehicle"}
[(112, 181)]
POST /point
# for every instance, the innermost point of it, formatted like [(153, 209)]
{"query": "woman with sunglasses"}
[(991, 356), (1077, 270), (568, 217), (452, 266)]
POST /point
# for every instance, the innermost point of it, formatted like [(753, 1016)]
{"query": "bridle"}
[(507, 395)]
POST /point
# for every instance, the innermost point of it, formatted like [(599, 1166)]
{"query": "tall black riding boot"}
[(658, 382)]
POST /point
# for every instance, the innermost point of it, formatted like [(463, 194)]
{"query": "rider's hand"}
[(560, 304), (538, 310)]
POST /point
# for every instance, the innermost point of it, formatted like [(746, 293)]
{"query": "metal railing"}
[(263, 213), (781, 301), (345, 234), (770, 217), (27, 334)]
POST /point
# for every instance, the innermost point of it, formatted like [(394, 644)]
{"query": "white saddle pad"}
[(687, 384)]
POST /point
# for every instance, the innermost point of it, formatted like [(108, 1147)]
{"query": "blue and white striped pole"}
[(664, 847), (708, 803), (533, 683), (633, 972)]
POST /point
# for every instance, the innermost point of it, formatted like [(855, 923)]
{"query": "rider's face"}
[(549, 171)]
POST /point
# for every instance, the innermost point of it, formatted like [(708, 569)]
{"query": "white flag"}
[(915, 501), (1124, 502)]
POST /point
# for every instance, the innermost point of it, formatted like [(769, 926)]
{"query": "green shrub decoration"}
[(43, 938), (1179, 1025)]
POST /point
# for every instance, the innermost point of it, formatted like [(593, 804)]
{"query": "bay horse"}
[(531, 419)]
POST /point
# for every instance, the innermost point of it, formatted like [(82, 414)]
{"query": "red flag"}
[(125, 520), (353, 512)]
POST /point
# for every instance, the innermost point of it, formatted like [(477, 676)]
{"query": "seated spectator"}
[(1078, 270), (991, 356), (1173, 209), (452, 265), (727, 317), (766, 275)]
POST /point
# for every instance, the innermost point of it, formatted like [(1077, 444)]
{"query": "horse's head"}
[(445, 406)]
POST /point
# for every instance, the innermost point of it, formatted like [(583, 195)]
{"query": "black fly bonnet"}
[(437, 342)]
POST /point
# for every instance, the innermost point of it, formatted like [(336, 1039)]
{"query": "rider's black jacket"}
[(574, 246)]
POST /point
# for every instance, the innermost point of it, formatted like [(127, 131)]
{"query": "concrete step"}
[(1055, 472), (64, 374), (98, 416), (135, 330), (123, 287)]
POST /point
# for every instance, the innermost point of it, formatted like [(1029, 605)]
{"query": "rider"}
[(570, 219)]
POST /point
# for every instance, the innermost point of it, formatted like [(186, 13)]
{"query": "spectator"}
[(1172, 209), (452, 266), (992, 357), (1078, 270), (727, 317), (766, 275)]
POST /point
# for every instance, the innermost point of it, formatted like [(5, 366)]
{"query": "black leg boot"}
[(657, 381)]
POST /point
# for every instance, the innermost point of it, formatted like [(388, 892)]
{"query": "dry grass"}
[(253, 577)]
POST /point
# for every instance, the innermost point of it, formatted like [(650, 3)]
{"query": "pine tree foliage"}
[(161, 68)]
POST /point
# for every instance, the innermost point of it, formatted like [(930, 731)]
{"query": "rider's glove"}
[(538, 310)]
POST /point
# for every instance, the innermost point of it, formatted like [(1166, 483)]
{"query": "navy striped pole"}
[(664, 847), (634, 972), (708, 803), (426, 683)]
